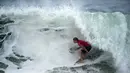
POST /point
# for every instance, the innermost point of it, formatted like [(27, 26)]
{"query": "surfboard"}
[(80, 64)]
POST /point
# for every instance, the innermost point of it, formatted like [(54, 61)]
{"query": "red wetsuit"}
[(85, 44)]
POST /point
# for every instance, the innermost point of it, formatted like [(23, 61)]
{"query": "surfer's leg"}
[(84, 53), (80, 53), (81, 57)]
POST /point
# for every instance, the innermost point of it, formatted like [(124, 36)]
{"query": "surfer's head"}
[(75, 39)]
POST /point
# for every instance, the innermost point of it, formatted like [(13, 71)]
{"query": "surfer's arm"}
[(83, 48)]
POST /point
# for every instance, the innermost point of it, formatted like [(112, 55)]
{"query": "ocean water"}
[(45, 35)]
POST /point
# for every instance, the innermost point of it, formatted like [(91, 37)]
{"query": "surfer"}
[(84, 46)]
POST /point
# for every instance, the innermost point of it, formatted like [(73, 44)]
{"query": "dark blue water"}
[(85, 5)]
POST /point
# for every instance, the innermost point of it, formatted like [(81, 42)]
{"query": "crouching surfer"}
[(85, 47)]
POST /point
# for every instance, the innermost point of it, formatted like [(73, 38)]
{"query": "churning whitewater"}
[(43, 38)]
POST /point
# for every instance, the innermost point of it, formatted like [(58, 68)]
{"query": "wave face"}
[(46, 36)]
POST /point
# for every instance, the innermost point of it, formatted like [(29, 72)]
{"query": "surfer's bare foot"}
[(81, 61)]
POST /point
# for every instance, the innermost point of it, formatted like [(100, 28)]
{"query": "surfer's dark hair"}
[(75, 39)]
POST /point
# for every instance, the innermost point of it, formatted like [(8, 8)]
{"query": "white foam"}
[(108, 31)]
